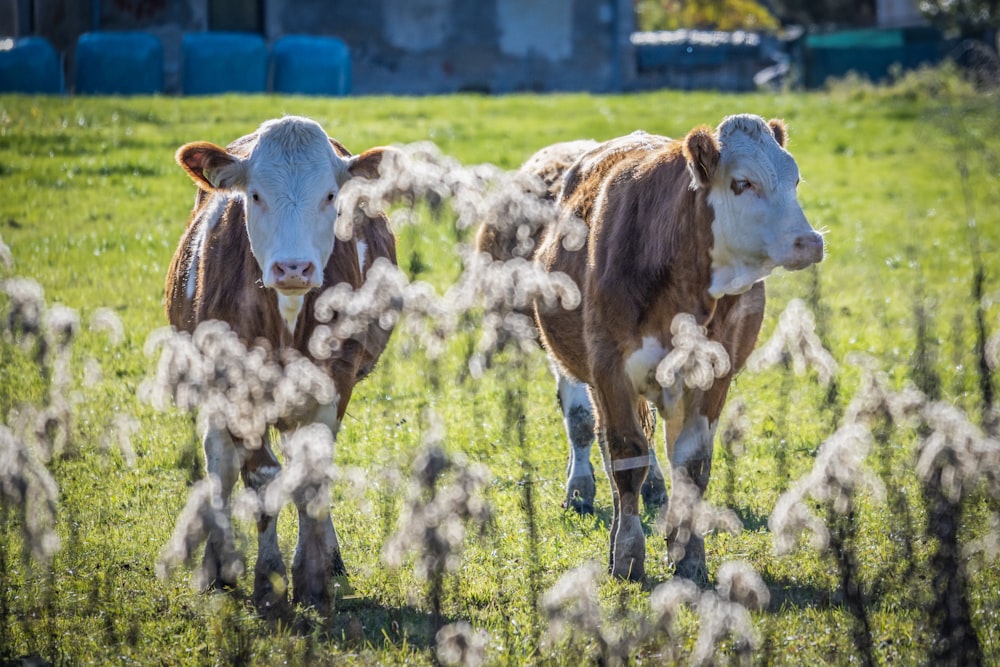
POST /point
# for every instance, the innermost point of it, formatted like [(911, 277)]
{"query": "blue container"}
[(310, 65), (871, 53), (223, 62), (119, 63), (29, 65)]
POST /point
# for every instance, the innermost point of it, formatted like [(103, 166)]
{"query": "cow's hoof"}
[(218, 573), (690, 562), (629, 562), (313, 596), (270, 591), (580, 492), (654, 490), (311, 586)]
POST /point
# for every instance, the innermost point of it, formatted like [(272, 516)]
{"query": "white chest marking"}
[(362, 251), (640, 366), (290, 307)]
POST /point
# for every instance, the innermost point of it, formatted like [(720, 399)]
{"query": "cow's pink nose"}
[(809, 248), (806, 249), (297, 274)]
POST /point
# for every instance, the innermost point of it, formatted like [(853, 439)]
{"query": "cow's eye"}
[(329, 197), (255, 197), (741, 185)]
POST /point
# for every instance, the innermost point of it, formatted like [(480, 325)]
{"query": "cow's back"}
[(501, 238)]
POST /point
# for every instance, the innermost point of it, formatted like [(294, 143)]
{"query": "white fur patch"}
[(571, 393), (694, 441), (208, 219), (640, 367), (327, 414), (191, 286), (362, 252), (290, 307)]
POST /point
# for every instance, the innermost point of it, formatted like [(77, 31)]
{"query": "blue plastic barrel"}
[(119, 63), (311, 65), (223, 62), (29, 65)]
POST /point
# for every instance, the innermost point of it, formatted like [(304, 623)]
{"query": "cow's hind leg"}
[(626, 453), (270, 582), (221, 565), (578, 417)]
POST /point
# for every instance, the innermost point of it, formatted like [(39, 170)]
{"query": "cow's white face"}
[(289, 176), (759, 224), (289, 182)]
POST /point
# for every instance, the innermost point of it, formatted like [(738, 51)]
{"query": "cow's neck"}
[(735, 277), (290, 307)]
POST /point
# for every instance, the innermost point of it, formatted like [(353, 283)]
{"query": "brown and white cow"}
[(688, 226), (259, 248), (506, 239)]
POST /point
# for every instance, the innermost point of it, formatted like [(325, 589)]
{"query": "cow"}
[(687, 228), (506, 239), (259, 248)]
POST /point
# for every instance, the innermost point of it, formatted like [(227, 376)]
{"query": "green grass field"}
[(902, 180)]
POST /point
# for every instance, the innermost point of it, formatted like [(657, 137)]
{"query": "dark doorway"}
[(236, 15)]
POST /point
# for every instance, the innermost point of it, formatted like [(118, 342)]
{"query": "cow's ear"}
[(339, 148), (779, 131), (210, 166), (701, 150), (373, 162)]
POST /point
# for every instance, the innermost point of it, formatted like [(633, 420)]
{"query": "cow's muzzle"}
[(807, 250), (293, 277)]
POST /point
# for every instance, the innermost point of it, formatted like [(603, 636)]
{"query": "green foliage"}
[(902, 180), (966, 16), (724, 15)]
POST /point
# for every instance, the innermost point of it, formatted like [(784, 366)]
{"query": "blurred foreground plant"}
[(444, 494), (577, 618)]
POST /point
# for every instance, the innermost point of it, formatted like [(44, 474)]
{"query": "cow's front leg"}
[(627, 460), (317, 554), (270, 582), (689, 435), (654, 489), (317, 557), (221, 565)]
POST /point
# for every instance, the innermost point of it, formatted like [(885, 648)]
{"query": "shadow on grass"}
[(357, 623), (366, 622), (785, 593), (752, 521)]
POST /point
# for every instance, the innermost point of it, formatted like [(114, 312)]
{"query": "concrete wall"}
[(898, 13), (495, 46)]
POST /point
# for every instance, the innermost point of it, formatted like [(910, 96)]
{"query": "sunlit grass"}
[(91, 207)]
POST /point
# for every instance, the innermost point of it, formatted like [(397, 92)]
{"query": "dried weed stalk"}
[(577, 618), (445, 493)]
